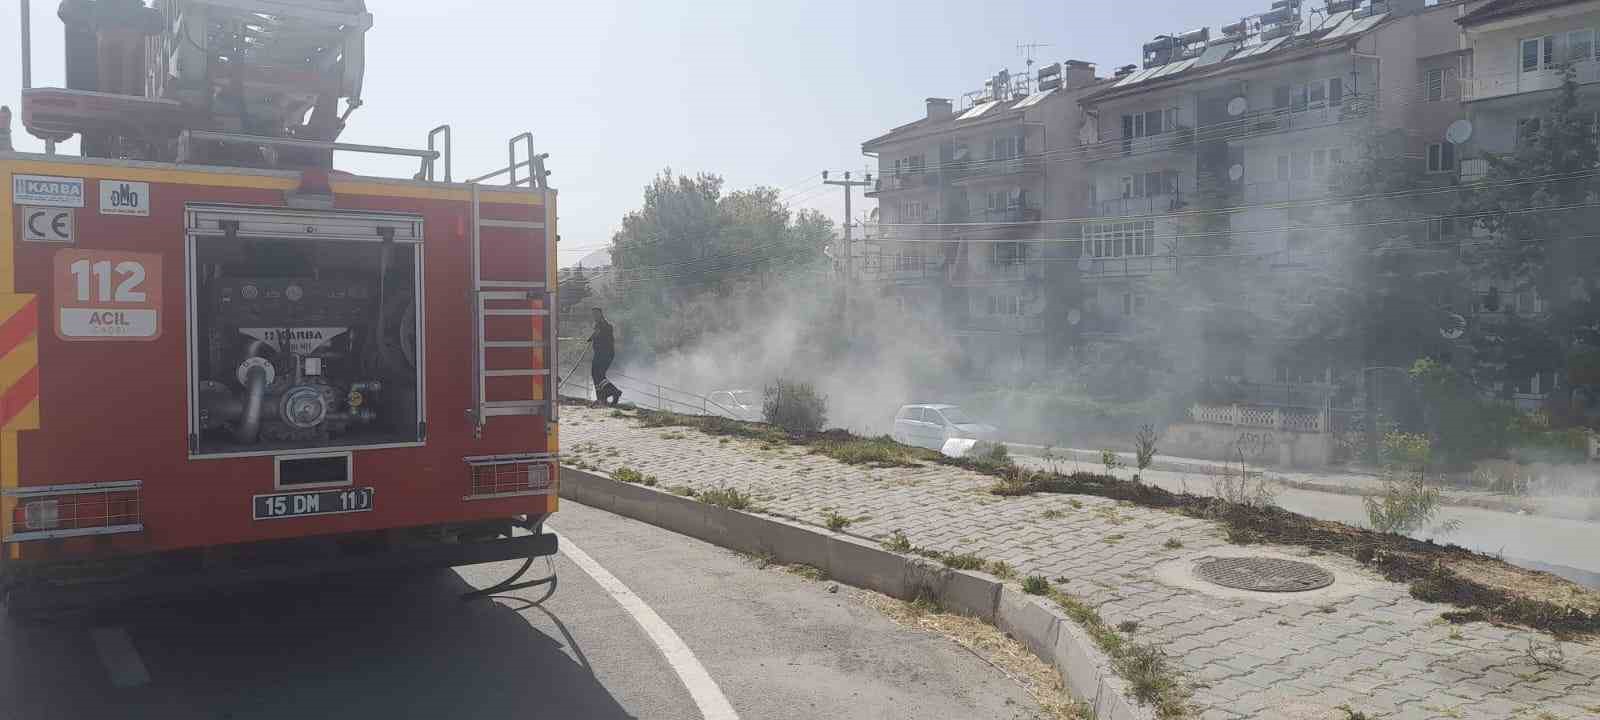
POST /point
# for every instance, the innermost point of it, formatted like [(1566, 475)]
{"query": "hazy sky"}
[(762, 92)]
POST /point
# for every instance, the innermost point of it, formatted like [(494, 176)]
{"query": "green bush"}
[(795, 407)]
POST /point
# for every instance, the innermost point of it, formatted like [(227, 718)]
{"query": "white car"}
[(734, 404), (931, 425)]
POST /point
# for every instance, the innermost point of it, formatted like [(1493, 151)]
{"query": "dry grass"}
[(1010, 657)]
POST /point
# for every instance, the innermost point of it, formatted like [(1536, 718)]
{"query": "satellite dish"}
[(1074, 317), (1459, 132), (1453, 328), (1236, 172), (1237, 106)]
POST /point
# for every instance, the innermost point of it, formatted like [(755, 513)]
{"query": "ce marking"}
[(49, 224)]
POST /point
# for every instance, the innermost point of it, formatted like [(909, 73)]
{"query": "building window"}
[(1005, 305), (1132, 304), (1150, 184), (1005, 147), (1580, 45), (1441, 230), (1010, 253), (1527, 129), (1283, 167), (1435, 85), (1538, 53), (1328, 92), (1441, 157), (1114, 240), (1147, 124), (911, 211)]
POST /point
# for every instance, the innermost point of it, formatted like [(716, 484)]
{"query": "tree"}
[(1533, 210), (1384, 298), (687, 262)]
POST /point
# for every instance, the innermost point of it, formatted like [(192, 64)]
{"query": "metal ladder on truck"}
[(530, 298)]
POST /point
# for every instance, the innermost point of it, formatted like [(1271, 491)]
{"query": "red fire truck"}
[(224, 361)]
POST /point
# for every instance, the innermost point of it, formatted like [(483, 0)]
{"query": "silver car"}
[(734, 404), (931, 425)]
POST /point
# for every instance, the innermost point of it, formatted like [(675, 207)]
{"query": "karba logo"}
[(47, 187), (281, 335), (124, 197)]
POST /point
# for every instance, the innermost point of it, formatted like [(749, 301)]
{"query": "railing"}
[(1276, 120), (1514, 82), (1114, 147), (1304, 420), (1150, 205), (1127, 265), (1474, 169), (1018, 324), (1287, 190), (994, 167), (901, 181)]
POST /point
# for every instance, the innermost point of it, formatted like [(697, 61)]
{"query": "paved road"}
[(774, 645)]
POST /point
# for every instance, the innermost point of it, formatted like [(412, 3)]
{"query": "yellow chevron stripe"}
[(28, 419), (18, 362)]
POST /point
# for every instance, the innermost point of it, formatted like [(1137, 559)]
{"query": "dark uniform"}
[(605, 349)]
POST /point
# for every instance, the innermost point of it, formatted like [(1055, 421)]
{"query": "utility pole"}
[(849, 259)]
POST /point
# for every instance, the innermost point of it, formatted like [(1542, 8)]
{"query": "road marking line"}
[(121, 659), (707, 696)]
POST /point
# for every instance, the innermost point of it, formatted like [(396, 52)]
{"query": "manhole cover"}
[(1264, 574)]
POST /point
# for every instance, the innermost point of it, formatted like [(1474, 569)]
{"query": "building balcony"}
[(1125, 266), (1473, 169), (963, 173), (1003, 273), (1179, 140), (904, 271), (1273, 191), (1002, 325), (1487, 87), (1135, 206), (892, 183), (1272, 121)]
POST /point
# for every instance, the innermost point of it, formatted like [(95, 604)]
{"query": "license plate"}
[(319, 502)]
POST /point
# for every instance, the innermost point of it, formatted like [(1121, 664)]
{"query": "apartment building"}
[(1241, 128), (1514, 56), (969, 202)]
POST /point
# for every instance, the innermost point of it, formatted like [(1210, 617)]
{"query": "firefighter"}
[(605, 348)]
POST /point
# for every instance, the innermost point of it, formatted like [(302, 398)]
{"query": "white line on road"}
[(707, 696), (122, 661)]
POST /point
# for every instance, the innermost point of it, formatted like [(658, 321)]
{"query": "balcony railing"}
[(1016, 324), (962, 171), (1273, 191), (1151, 205), (1474, 169), (1126, 266), (1271, 121), (1181, 139), (901, 181), (1002, 273), (1514, 83)]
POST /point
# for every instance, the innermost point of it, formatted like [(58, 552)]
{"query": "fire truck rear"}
[(222, 361)]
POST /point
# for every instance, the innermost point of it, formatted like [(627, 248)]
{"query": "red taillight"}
[(503, 475), (71, 510)]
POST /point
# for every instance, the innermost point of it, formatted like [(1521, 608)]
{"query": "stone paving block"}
[(1382, 642)]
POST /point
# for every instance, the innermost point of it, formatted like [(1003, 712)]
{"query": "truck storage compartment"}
[(305, 329)]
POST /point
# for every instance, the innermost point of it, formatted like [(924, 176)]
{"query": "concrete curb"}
[(1034, 622)]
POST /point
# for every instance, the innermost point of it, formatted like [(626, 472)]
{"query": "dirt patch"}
[(1010, 657)]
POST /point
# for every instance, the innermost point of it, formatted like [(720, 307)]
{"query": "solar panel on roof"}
[(978, 109), (1214, 54), (1355, 27), (1034, 99), (1335, 19), (1172, 69)]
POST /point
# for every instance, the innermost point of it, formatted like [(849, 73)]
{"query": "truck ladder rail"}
[(530, 298), (188, 138)]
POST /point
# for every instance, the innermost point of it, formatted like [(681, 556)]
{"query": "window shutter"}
[(1335, 91)]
